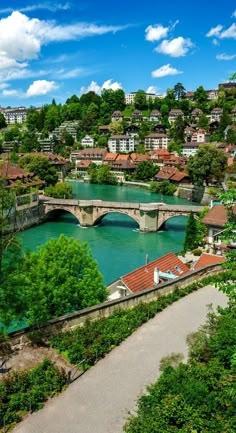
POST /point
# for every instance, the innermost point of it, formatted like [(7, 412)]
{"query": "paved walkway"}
[(100, 400)]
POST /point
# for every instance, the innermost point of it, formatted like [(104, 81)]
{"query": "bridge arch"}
[(164, 217), (59, 209), (106, 212)]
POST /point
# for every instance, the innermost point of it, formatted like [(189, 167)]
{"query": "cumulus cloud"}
[(156, 32), (40, 87), (218, 32), (152, 89), (177, 47), (95, 87), (165, 70), (22, 39), (224, 56)]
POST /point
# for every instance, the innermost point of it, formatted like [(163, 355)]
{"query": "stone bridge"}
[(149, 216)]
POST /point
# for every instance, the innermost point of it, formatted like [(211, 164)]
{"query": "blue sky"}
[(54, 49)]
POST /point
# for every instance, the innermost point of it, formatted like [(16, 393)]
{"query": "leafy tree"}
[(231, 136), (200, 95), (2, 121), (164, 187), (87, 98), (74, 99), (101, 175), (115, 99), (145, 170), (60, 277), (116, 127), (207, 165), (41, 167), (140, 100), (29, 142), (60, 190), (178, 130), (190, 241), (179, 91)]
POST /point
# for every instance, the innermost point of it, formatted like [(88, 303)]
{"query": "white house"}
[(173, 114), (190, 149), (87, 141), (156, 141), (121, 143)]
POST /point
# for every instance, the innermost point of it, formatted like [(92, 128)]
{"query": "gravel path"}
[(100, 400)]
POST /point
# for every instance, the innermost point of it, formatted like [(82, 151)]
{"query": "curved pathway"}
[(100, 400)]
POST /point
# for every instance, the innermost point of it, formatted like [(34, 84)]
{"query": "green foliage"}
[(179, 91), (146, 170), (27, 391), (164, 187), (101, 175), (41, 167), (60, 277), (197, 252), (190, 241), (207, 165), (140, 100), (198, 396), (60, 190)]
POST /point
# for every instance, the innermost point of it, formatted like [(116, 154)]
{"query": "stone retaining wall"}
[(69, 321)]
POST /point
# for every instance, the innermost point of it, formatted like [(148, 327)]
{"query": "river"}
[(116, 243)]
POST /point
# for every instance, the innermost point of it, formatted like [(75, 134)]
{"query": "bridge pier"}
[(148, 218)]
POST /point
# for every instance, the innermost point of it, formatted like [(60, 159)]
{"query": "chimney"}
[(156, 276)]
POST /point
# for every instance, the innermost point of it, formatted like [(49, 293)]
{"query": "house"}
[(104, 130), (174, 113), (136, 158), (155, 116), (188, 132), (160, 156), (215, 221), (57, 161), (121, 143), (156, 141), (81, 168), (24, 184), (117, 116), (110, 157), (87, 141), (94, 155), (189, 95), (15, 115), (122, 165), (200, 136), (190, 149), (172, 174), (132, 130), (137, 116), (196, 114), (208, 259), (159, 129), (149, 276), (212, 94), (216, 114)]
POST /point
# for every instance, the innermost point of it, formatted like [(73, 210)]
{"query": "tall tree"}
[(41, 167), (200, 95), (140, 100), (179, 91), (207, 165), (191, 234)]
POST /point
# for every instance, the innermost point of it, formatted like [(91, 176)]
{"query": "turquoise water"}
[(116, 243)]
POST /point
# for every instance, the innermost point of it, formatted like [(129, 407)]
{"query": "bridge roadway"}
[(100, 400), (149, 216)]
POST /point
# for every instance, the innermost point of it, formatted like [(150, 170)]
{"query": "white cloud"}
[(95, 87), (165, 70), (152, 89), (224, 56), (52, 7), (215, 41), (12, 92), (156, 32), (73, 73), (41, 87), (177, 47), (215, 31), (223, 34), (234, 14), (229, 33)]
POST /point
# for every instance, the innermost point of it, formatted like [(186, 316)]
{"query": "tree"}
[(203, 122), (191, 233), (60, 190), (101, 175), (60, 277), (207, 165), (179, 91), (146, 170), (231, 136), (116, 127), (41, 167), (140, 100), (178, 130), (200, 95), (115, 99), (2, 121)]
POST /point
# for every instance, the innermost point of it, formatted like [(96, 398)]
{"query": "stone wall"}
[(194, 193), (25, 217), (69, 321)]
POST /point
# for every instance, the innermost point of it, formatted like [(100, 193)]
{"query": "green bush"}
[(197, 252), (27, 390)]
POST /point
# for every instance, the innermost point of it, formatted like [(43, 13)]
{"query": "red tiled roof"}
[(179, 176), (217, 216), (122, 158), (208, 259), (111, 156), (85, 163), (143, 278), (137, 157)]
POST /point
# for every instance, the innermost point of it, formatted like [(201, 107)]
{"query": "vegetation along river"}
[(116, 243)]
